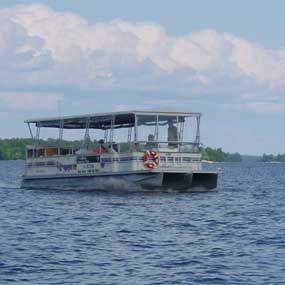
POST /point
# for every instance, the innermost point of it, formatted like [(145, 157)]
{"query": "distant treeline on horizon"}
[(13, 149), (272, 158), (212, 154)]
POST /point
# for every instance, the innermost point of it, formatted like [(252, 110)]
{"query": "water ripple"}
[(235, 235)]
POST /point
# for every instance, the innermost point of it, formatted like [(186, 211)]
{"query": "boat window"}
[(30, 153), (189, 135), (64, 151), (41, 152), (168, 130), (189, 129), (147, 128), (52, 151), (121, 138)]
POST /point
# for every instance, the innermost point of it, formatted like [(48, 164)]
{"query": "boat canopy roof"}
[(103, 121)]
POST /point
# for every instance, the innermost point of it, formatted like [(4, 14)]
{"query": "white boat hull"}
[(126, 181)]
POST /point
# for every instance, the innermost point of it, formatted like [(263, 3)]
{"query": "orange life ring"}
[(151, 159)]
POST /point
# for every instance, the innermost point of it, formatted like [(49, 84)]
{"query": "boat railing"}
[(167, 146), (48, 151), (137, 146)]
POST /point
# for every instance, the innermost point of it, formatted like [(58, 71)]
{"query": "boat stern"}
[(205, 180)]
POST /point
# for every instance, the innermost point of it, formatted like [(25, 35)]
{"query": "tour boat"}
[(126, 150)]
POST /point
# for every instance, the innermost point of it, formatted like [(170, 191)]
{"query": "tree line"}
[(271, 157), (13, 149), (212, 154)]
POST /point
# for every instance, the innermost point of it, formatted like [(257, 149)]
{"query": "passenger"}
[(113, 148), (172, 134), (151, 143), (100, 148)]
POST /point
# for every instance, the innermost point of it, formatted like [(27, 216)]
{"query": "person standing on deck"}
[(172, 134), (151, 141)]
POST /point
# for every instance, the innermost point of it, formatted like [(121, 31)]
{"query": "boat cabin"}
[(118, 141), (123, 132)]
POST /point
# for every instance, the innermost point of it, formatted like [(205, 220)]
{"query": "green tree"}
[(218, 154), (270, 157)]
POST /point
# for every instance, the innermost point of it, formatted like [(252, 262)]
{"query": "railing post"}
[(135, 133), (136, 128), (36, 142), (60, 136)]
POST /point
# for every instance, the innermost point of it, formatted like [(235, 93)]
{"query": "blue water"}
[(235, 235)]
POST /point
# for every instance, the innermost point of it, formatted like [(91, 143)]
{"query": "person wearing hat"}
[(151, 143), (172, 134)]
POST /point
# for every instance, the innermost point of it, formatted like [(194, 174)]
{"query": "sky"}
[(225, 59)]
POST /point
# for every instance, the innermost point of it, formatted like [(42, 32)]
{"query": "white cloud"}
[(40, 46)]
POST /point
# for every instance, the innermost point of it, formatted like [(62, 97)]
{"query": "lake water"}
[(235, 235)]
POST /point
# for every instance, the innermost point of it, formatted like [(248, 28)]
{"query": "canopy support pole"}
[(60, 136), (198, 129), (31, 133), (156, 129), (130, 134), (106, 135), (136, 128), (36, 142), (87, 134), (112, 130), (136, 132), (178, 126)]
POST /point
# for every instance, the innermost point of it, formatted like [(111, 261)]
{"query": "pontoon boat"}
[(128, 150)]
